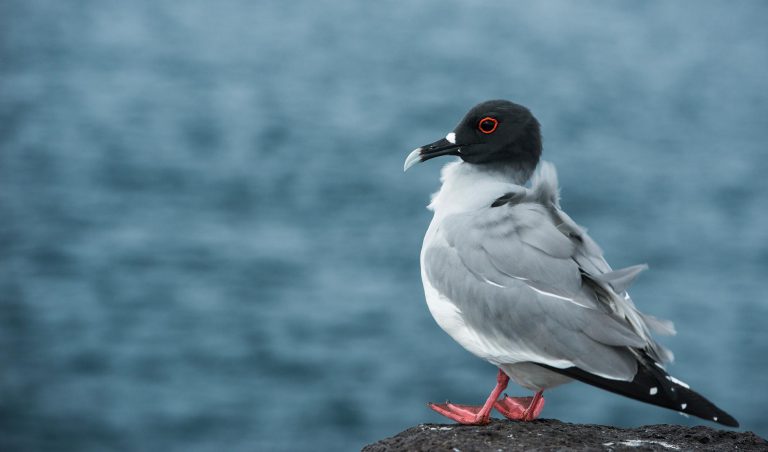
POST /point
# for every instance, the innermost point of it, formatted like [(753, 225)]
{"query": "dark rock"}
[(552, 435)]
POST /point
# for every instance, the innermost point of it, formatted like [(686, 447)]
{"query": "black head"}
[(493, 132)]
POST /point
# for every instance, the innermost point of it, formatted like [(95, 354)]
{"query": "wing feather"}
[(531, 282)]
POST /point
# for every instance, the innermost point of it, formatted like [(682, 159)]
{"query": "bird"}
[(517, 282)]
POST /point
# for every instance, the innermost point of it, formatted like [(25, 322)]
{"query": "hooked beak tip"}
[(413, 158), (443, 146)]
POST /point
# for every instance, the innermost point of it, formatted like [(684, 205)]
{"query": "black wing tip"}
[(655, 387), (727, 420), (719, 416)]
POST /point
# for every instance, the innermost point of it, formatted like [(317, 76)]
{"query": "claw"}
[(463, 414), (472, 414)]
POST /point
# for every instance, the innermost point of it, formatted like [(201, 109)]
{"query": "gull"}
[(515, 281)]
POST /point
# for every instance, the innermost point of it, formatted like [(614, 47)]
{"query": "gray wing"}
[(610, 287), (532, 283)]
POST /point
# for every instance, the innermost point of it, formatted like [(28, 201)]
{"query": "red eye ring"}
[(486, 130)]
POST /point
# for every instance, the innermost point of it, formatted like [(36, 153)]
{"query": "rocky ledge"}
[(552, 435)]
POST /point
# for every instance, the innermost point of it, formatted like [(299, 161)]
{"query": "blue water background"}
[(207, 242)]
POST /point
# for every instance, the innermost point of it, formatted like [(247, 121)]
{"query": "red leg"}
[(521, 408), (472, 414)]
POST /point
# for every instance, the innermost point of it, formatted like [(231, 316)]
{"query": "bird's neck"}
[(518, 172), (466, 186)]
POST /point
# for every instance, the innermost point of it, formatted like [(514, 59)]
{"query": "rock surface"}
[(552, 435)]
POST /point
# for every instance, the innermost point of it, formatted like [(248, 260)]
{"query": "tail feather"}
[(653, 385)]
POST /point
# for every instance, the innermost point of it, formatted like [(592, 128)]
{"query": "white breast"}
[(464, 189)]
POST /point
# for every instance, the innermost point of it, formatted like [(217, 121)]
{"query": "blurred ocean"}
[(207, 242)]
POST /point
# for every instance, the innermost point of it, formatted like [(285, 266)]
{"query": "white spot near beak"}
[(451, 137), (654, 390)]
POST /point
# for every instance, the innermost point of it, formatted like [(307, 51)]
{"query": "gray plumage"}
[(514, 280), (529, 282)]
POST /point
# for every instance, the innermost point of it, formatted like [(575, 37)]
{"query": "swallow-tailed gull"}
[(514, 280)]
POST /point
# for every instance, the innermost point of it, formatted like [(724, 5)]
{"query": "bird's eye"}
[(487, 125)]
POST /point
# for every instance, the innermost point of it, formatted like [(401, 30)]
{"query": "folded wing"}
[(534, 285)]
